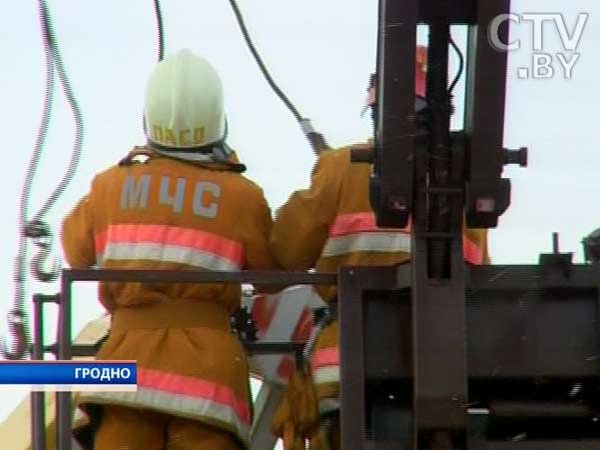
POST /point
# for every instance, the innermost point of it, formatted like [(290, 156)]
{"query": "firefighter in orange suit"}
[(329, 225), (184, 206)]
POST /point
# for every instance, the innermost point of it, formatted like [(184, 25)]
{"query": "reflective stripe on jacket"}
[(164, 243), (207, 382), (357, 232)]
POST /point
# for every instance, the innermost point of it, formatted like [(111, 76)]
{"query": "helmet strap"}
[(216, 152)]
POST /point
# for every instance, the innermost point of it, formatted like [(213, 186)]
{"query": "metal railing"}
[(64, 349)]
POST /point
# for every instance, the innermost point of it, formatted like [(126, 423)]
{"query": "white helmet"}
[(184, 103)]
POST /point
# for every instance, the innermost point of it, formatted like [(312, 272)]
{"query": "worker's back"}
[(170, 214)]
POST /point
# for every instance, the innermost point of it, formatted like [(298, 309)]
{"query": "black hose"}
[(161, 31), (461, 65), (54, 63), (77, 116), (316, 139), (161, 43), (261, 64), (19, 270), (37, 150)]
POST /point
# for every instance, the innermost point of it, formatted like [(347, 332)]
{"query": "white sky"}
[(321, 54)]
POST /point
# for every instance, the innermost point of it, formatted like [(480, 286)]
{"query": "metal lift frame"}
[(436, 177), (430, 175), (532, 369), (64, 349)]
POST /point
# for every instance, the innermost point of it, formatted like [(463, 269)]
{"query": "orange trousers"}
[(329, 435), (124, 428)]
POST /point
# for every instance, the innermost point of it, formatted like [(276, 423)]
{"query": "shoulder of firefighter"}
[(302, 223), (331, 223)]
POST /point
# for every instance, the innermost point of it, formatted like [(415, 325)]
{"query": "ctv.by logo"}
[(543, 63)]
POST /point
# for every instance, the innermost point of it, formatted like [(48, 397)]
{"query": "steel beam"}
[(266, 404), (354, 281), (38, 399), (488, 195), (392, 182)]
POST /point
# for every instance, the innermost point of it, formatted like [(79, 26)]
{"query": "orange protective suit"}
[(329, 225), (173, 215)]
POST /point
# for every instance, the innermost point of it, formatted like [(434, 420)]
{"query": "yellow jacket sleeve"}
[(479, 237), (258, 255), (77, 235), (483, 242), (302, 223)]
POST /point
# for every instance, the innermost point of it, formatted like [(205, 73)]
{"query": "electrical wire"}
[(316, 139), (461, 65), (77, 116), (161, 31), (261, 64), (17, 313), (36, 228), (161, 43)]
